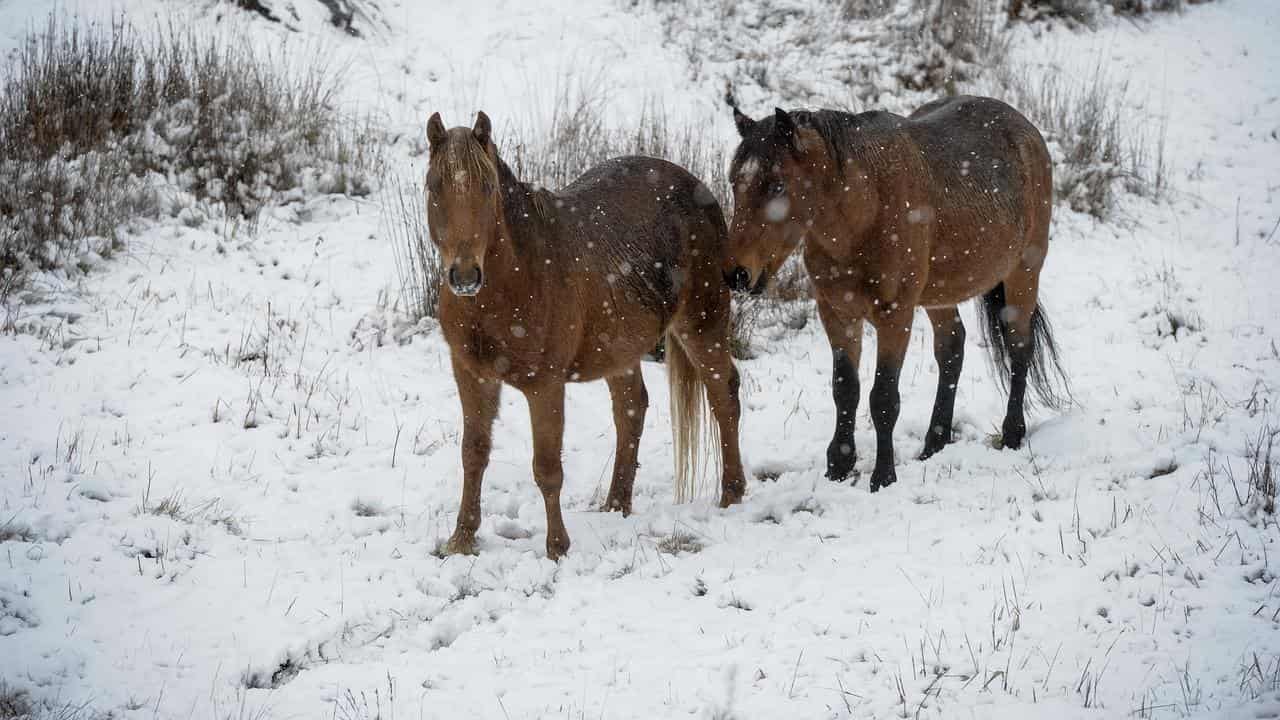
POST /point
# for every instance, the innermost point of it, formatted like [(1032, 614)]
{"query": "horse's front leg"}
[(893, 333), (546, 415), (479, 408), (845, 336)]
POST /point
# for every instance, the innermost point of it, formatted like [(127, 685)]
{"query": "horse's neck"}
[(524, 226), (518, 254)]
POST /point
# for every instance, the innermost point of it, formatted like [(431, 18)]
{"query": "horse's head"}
[(776, 178), (463, 199)]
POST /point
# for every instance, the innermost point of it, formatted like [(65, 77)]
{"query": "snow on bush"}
[(851, 53), (98, 123), (1088, 11), (1098, 144), (899, 54)]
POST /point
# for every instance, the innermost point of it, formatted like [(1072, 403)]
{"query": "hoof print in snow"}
[(278, 676), (732, 600), (809, 505), (511, 530), (367, 507), (699, 587)]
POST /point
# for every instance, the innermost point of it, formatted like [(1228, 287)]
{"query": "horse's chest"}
[(511, 349), (866, 278)]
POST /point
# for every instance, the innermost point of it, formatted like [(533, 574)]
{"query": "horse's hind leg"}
[(708, 348), (948, 350), (1020, 292), (479, 408), (630, 401)]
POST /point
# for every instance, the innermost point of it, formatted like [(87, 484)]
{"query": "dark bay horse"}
[(578, 285), (897, 213)]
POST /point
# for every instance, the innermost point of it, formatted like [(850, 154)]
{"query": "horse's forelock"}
[(753, 154), (468, 166)]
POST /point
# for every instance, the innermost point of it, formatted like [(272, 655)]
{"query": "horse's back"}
[(980, 117), (658, 182), (644, 225), (982, 151), (654, 205)]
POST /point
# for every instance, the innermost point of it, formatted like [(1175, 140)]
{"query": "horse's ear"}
[(743, 122), (784, 127), (483, 129), (436, 134)]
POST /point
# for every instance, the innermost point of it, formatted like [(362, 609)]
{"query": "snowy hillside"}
[(227, 462)]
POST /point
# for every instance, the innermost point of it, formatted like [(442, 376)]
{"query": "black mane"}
[(844, 133)]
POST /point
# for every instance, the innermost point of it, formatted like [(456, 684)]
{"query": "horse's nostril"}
[(465, 282), (739, 279)]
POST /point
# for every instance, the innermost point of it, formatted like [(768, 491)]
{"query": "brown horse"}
[(897, 213), (550, 288)]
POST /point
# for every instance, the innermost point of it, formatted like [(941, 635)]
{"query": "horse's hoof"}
[(929, 451), (882, 480), (461, 544), (839, 475), (615, 505), (731, 496), (1012, 434), (841, 458), (557, 548)]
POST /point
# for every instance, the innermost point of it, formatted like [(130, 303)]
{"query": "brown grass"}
[(93, 118)]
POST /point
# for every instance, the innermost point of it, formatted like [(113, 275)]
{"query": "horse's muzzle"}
[(465, 283)]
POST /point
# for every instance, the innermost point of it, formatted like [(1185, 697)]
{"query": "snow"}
[(223, 483)]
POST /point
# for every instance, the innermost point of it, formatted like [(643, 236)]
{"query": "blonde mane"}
[(468, 162)]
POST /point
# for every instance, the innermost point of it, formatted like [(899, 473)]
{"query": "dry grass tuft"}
[(96, 120), (680, 542), (417, 260)]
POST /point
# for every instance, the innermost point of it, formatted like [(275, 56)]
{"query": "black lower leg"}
[(842, 453), (1015, 424), (949, 352), (884, 415)]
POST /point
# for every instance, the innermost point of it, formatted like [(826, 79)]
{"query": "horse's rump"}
[(633, 221), (982, 154)]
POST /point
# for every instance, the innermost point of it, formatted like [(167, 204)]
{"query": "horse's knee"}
[(885, 401), (476, 447), (548, 472)]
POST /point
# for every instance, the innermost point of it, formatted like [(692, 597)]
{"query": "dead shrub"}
[(418, 265), (1098, 144), (1086, 12), (94, 119)]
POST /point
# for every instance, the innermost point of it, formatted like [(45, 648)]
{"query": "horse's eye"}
[(777, 188), (433, 182)]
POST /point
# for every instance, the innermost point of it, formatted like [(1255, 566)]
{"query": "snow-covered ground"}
[(223, 482)]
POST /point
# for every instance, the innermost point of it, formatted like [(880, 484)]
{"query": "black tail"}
[(1045, 375)]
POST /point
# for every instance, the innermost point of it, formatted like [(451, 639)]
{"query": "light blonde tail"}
[(693, 433)]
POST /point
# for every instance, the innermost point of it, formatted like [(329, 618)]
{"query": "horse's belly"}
[(613, 343), (960, 268)]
